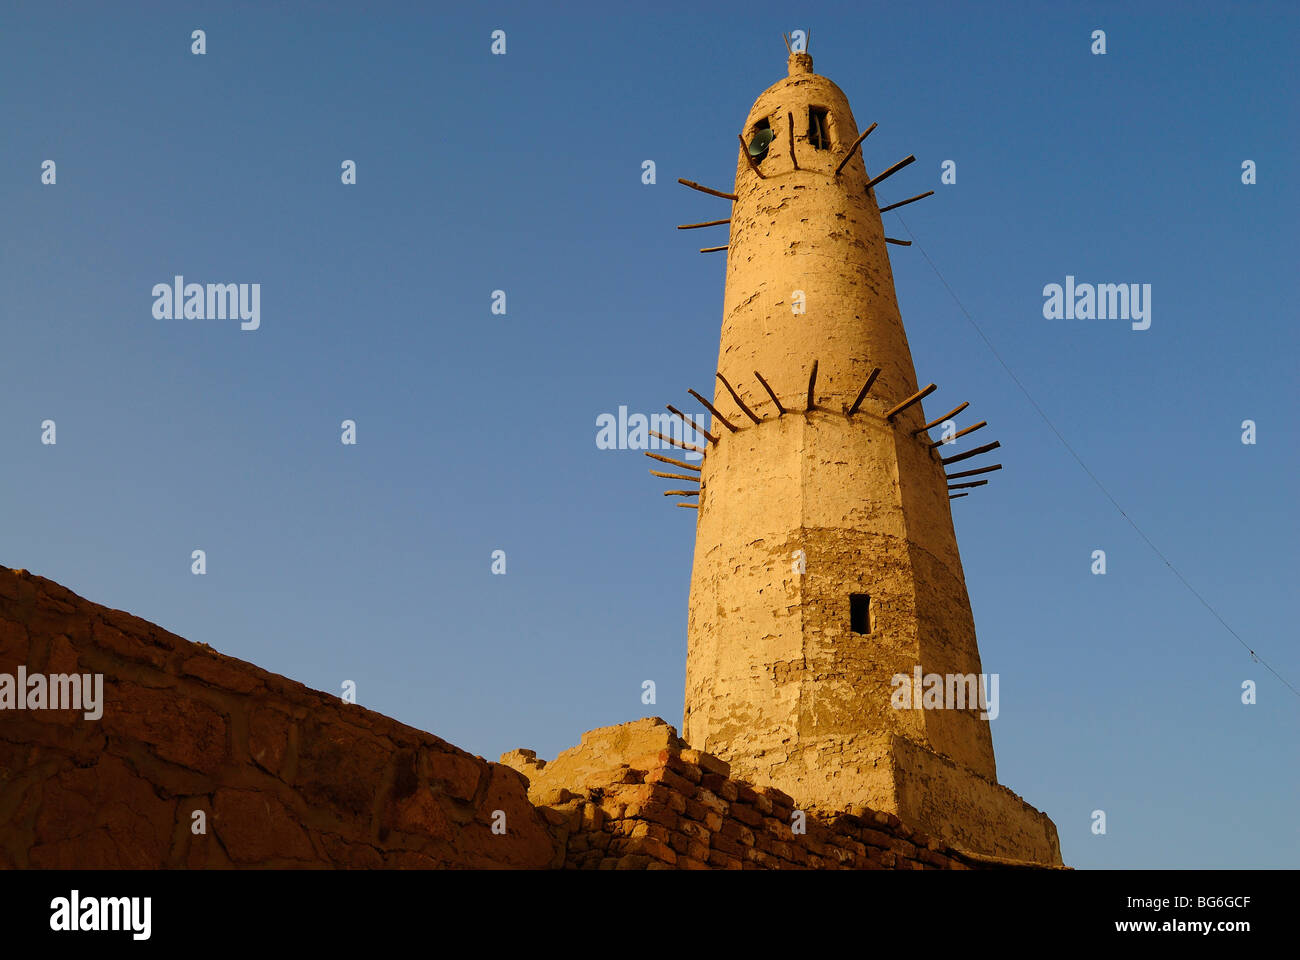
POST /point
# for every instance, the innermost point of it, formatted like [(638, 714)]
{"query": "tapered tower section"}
[(826, 565)]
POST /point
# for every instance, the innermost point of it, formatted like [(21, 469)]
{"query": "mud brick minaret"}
[(825, 560)]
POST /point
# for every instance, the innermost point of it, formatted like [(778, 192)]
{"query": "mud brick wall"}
[(286, 775), (679, 809)]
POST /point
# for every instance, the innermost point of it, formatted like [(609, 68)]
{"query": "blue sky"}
[(476, 432)]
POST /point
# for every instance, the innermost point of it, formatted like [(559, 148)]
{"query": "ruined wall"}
[(286, 775), (635, 797), (290, 777)]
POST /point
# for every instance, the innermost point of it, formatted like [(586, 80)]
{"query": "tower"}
[(826, 565)]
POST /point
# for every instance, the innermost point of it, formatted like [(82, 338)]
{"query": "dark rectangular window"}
[(860, 612), (819, 128), (759, 140)]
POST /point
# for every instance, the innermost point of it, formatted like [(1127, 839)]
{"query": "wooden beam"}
[(792, 159), (963, 486), (812, 385), (690, 423), (863, 394), (947, 416), (683, 493), (971, 453), (753, 164), (713, 193), (740, 403), (787, 42), (914, 398), (771, 393), (695, 506), (973, 473), (713, 410), (951, 496), (903, 203), (707, 223), (675, 463), (959, 434), (901, 243), (713, 249), (678, 443), (674, 476), (891, 171), (854, 146)]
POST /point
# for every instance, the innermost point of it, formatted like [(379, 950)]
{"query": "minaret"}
[(826, 564)]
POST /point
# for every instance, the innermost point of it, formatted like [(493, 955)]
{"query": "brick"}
[(746, 815), (728, 846), (739, 832), (708, 762), (696, 831), (778, 828), (674, 780), (712, 801), (722, 861), (933, 858), (688, 770), (651, 830), (727, 789)]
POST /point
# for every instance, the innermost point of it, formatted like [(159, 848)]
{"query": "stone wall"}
[(635, 797), (284, 775)]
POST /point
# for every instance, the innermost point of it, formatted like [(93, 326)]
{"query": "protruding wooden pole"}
[(963, 486), (675, 463), (753, 165), (974, 473), (713, 249), (914, 398), (681, 493), (812, 385), (947, 416), (792, 159), (901, 243), (959, 434), (951, 496), (674, 476), (714, 193), (690, 423), (740, 403), (971, 453), (707, 223), (713, 410), (871, 378), (695, 506), (771, 393), (787, 42), (891, 171), (852, 147), (678, 443), (903, 203)]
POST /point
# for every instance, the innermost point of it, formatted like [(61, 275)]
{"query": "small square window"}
[(860, 612)]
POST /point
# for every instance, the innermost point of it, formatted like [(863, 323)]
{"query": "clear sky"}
[(476, 432)]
